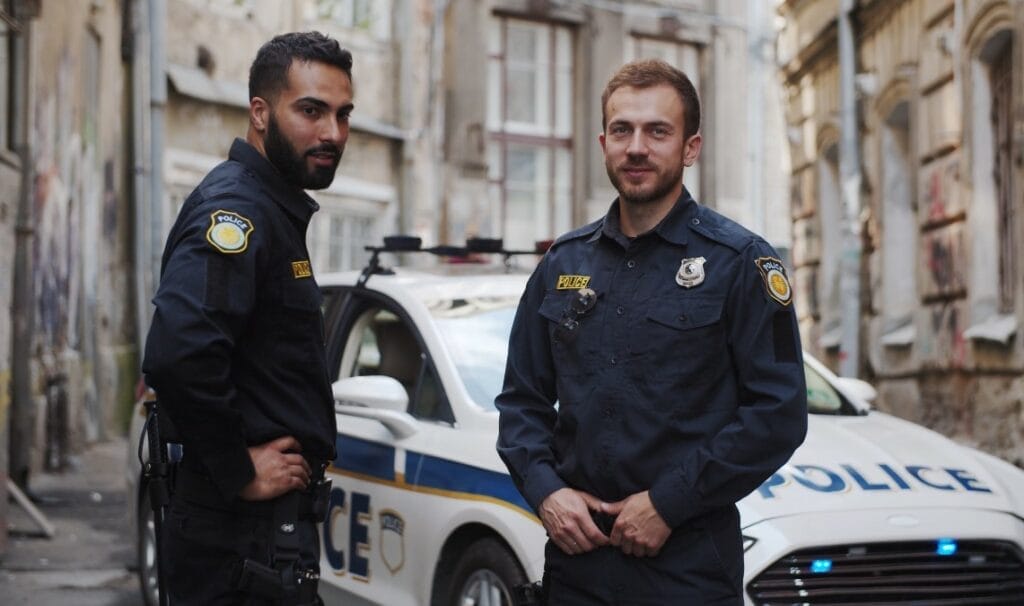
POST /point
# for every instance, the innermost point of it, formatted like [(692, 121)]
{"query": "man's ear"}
[(259, 113), (691, 149)]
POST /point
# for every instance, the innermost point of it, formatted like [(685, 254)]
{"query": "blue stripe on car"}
[(365, 457), (442, 474)]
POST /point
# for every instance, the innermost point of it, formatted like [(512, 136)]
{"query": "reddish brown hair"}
[(646, 73)]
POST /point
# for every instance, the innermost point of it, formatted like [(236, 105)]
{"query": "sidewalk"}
[(87, 562)]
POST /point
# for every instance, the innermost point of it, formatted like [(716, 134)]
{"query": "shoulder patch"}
[(773, 272), (229, 232)]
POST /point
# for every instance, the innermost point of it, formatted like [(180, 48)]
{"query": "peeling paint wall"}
[(926, 56), (80, 266)]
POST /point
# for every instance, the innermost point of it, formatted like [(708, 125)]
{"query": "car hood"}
[(878, 461)]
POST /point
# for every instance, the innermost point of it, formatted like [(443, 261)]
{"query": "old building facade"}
[(473, 117), (523, 81), (67, 356), (940, 136)]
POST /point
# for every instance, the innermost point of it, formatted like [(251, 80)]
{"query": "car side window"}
[(382, 343)]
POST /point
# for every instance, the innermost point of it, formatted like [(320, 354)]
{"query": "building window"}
[(683, 56), (899, 230), (1001, 76), (347, 13), (7, 91), (529, 121), (993, 276), (830, 246), (349, 236)]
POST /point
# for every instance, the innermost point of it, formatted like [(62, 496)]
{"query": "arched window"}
[(830, 220), (991, 215), (899, 229)]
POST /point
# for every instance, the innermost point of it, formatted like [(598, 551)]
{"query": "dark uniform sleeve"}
[(526, 404), (771, 416), (202, 305)]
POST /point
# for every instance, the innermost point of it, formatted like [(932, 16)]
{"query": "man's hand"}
[(639, 529), (566, 516), (279, 469)]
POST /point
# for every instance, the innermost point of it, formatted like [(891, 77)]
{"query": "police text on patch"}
[(301, 269), (569, 282)]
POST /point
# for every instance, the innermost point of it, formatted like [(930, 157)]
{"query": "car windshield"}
[(476, 333)]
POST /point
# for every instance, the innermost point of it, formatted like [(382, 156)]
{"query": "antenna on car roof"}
[(414, 244)]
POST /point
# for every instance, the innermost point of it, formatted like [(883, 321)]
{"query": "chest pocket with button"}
[(300, 323), (682, 340)]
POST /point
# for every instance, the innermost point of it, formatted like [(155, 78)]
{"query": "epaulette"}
[(580, 232), (722, 229), (226, 179)]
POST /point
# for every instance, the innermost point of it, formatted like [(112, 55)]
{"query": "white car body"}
[(411, 495)]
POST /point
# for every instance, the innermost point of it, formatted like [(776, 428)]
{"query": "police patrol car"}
[(870, 510)]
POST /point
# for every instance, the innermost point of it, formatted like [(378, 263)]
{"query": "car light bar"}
[(414, 244)]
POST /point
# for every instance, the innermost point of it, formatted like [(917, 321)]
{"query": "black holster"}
[(531, 594), (283, 580)]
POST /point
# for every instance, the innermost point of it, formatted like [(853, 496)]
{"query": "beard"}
[(292, 165), (663, 185)]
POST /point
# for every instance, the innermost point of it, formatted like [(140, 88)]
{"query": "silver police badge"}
[(691, 272)]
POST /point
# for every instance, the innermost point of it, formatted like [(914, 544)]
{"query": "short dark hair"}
[(269, 72), (646, 73)]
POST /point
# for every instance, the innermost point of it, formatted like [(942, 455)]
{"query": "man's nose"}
[(637, 144), (334, 131)]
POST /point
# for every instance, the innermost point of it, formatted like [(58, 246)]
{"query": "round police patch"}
[(229, 232), (775, 281)]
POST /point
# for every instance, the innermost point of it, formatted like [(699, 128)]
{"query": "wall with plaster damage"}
[(926, 135), (83, 361)]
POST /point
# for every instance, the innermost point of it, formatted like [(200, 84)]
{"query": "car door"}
[(378, 532)]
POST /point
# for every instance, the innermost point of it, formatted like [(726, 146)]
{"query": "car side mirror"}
[(376, 397), (857, 388)]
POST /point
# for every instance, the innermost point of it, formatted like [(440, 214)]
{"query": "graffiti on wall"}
[(940, 190), (945, 342), (74, 204), (943, 255)]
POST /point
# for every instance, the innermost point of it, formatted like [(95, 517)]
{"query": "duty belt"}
[(198, 487)]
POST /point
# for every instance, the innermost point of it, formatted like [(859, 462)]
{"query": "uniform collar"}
[(293, 199), (671, 229)]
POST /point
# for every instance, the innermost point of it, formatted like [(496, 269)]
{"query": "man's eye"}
[(660, 131), (619, 130), (310, 111)]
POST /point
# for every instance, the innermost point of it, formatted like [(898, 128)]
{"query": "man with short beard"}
[(236, 348), (665, 332)]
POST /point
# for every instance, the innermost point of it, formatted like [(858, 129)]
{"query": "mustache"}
[(326, 148), (636, 165)]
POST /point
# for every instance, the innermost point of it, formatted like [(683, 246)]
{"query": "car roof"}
[(441, 282)]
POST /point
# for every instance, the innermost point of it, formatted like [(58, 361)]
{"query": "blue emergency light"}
[(821, 566), (946, 547)]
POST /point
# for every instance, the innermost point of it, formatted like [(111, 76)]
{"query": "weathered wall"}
[(918, 69), (81, 270)]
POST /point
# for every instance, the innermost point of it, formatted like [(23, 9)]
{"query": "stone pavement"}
[(90, 560)]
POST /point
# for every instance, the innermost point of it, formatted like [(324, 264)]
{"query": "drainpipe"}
[(157, 105), (850, 177), (142, 210), (22, 423), (755, 117)]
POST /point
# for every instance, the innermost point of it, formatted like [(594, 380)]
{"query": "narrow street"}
[(87, 561)]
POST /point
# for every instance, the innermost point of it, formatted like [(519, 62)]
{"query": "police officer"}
[(236, 348), (666, 334)]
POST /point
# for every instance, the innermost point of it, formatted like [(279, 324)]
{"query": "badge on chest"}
[(691, 272)]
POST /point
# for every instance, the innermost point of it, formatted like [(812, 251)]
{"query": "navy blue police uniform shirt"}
[(236, 348), (685, 378)]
